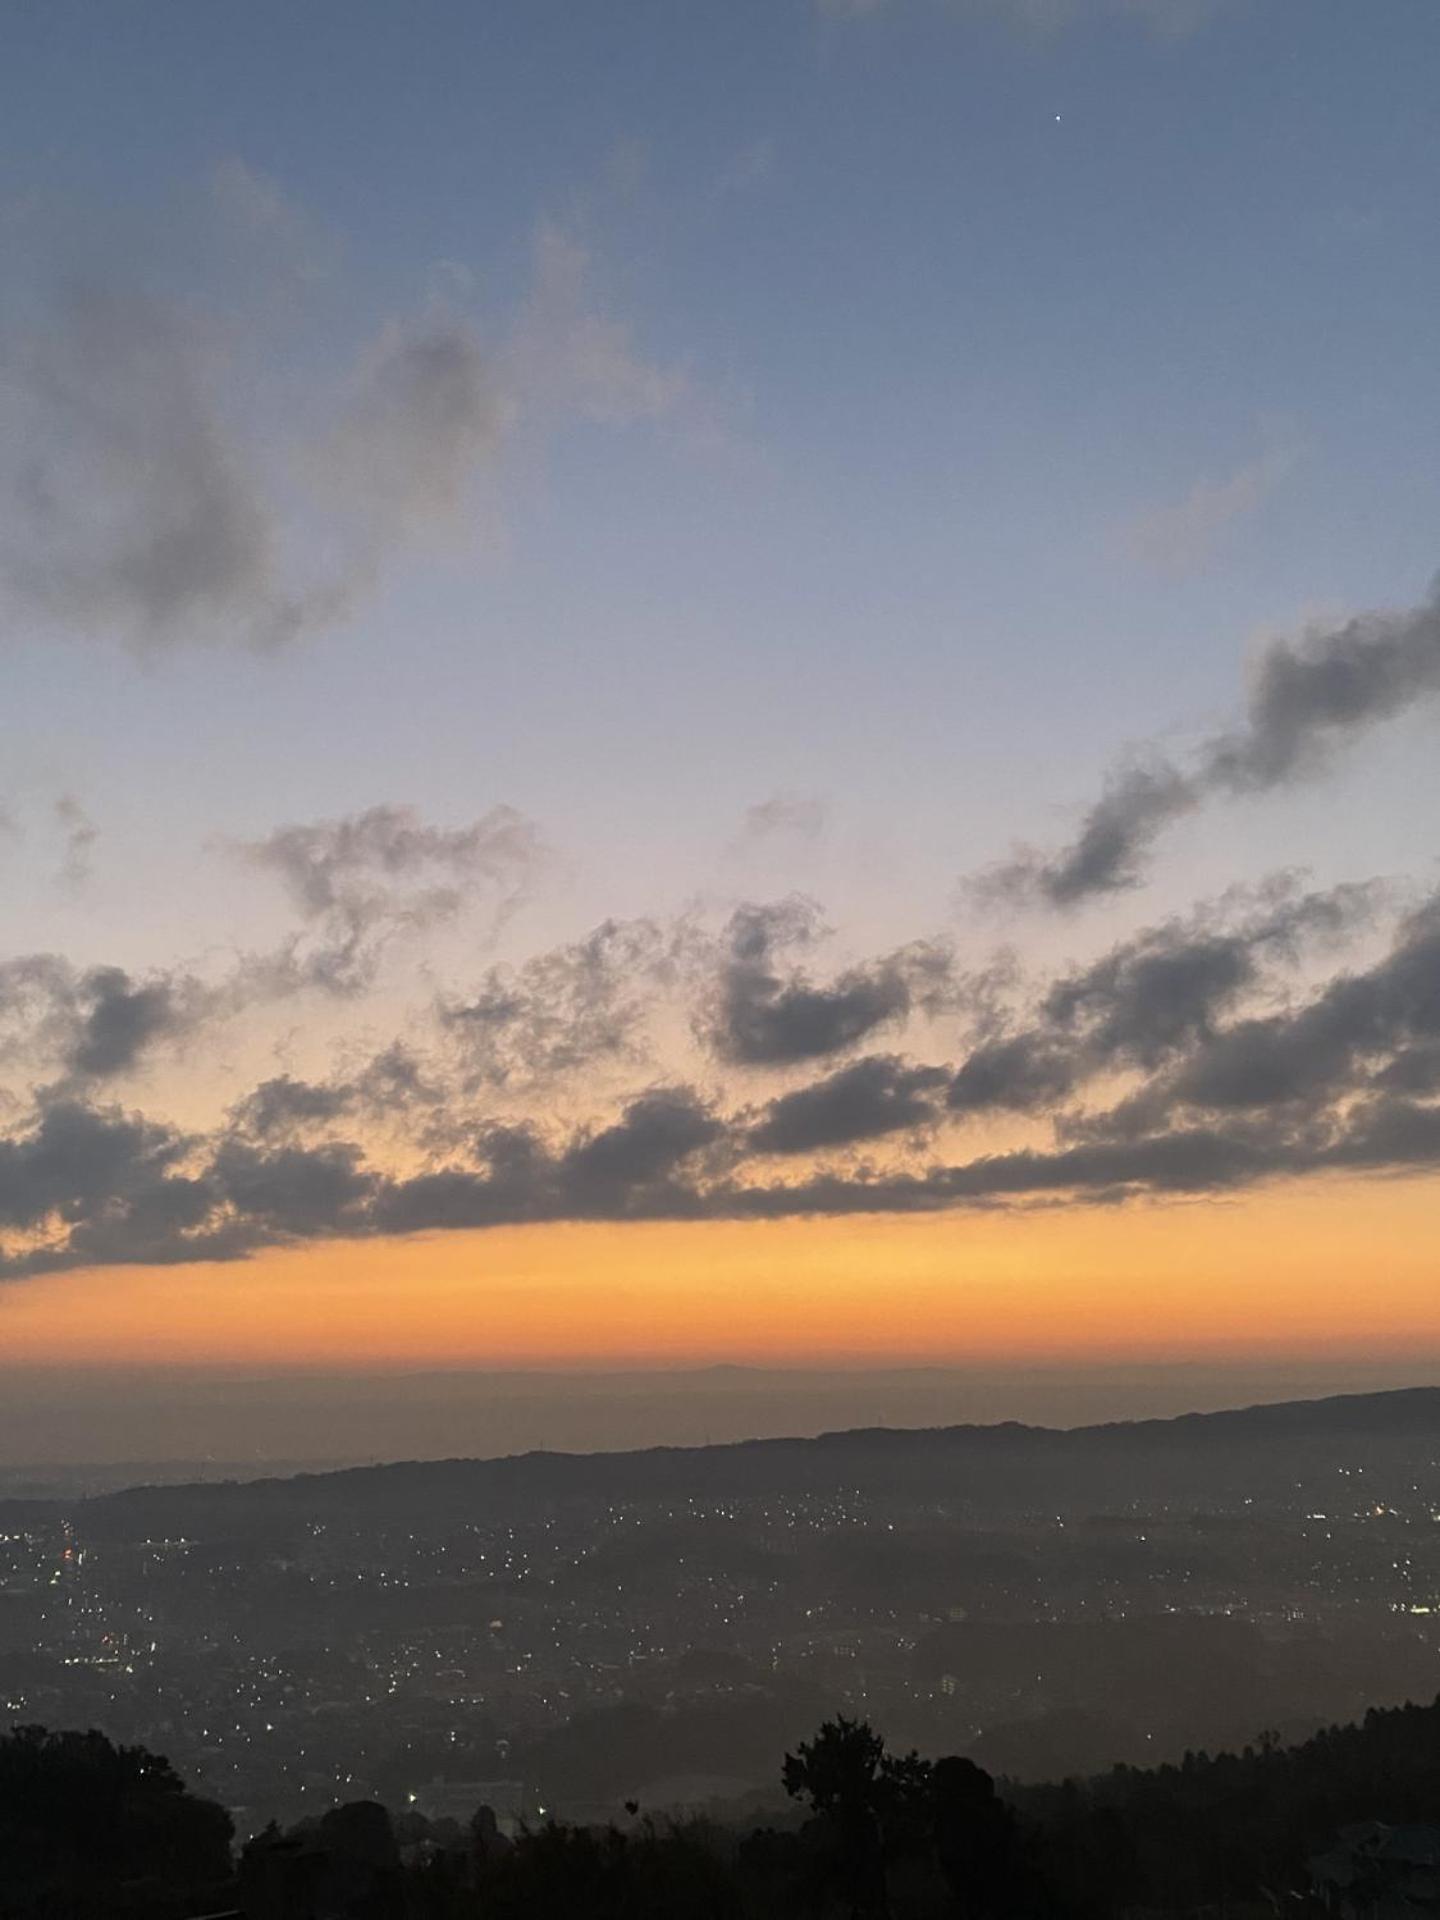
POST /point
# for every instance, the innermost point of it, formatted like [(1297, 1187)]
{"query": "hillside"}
[(1258, 1452)]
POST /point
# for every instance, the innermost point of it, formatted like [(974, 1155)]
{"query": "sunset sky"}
[(751, 681)]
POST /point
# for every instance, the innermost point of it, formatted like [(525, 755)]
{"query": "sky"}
[(747, 683)]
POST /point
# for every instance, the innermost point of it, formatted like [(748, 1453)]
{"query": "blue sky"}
[(946, 349), (886, 416)]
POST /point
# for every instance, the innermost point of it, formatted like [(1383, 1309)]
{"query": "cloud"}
[(284, 1106), (119, 1018), (1021, 1074), (1180, 539), (392, 1086), (764, 1013), (1309, 698), (654, 1137), (81, 834), (1158, 996), (1316, 694), (291, 1192), (1218, 1097), (872, 1097), (1356, 1019), (580, 1005), (1308, 1065), (568, 358), (328, 864), (634, 1168), (358, 883), (1165, 987), (144, 498), (1107, 855), (360, 880), (783, 815), (132, 506), (1199, 1055), (81, 1162), (426, 411), (141, 502), (92, 1023)]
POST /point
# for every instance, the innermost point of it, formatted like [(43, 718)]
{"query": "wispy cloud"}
[(784, 815), (1181, 538), (81, 834), (143, 502)]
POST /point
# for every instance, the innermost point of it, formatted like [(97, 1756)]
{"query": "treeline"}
[(89, 1829)]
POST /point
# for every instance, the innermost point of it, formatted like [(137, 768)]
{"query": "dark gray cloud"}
[(395, 1081), (1413, 1070), (1199, 1160), (90, 1187), (283, 1106), (1108, 853), (119, 1018), (642, 1166), (292, 1191), (1167, 986), (1024, 1073), (1390, 1136), (654, 1136), (1353, 1025), (1146, 999), (1308, 699), (767, 1011), (1315, 694), (872, 1097), (393, 1087), (80, 1163), (508, 1180), (1359, 1031), (1219, 1070), (1160, 994), (93, 1023)]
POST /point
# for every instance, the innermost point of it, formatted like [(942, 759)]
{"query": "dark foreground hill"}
[(1252, 1454)]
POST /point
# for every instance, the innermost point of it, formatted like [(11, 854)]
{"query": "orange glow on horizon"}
[(1323, 1269)]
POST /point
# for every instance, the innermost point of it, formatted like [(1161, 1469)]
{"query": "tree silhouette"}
[(974, 1837), (345, 1863), (865, 1796), (87, 1827)]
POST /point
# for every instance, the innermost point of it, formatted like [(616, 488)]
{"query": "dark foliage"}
[(87, 1829), (90, 1829)]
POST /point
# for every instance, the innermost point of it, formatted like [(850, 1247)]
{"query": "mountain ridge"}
[(879, 1459)]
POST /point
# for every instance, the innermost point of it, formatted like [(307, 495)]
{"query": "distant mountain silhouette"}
[(1261, 1452)]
